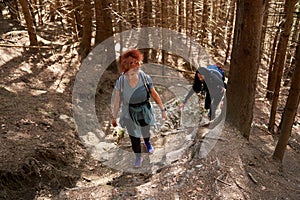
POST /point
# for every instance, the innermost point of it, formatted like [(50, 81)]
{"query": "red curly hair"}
[(130, 59)]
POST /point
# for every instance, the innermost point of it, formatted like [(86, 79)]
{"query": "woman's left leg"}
[(145, 129), (214, 105)]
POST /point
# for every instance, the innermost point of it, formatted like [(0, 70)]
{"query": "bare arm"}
[(157, 99)]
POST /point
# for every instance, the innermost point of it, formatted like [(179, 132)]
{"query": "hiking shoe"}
[(209, 115), (149, 147), (138, 162)]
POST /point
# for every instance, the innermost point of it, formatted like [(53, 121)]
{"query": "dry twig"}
[(218, 179), (252, 178)]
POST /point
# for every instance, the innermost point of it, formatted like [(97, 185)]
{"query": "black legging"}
[(136, 141), (212, 104)]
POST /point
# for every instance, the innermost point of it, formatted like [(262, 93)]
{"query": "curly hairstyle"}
[(130, 59)]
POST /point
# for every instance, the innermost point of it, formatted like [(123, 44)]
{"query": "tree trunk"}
[(107, 19), (13, 9), (188, 9), (134, 17), (271, 74), (37, 5), (41, 14), (29, 22), (204, 23), (165, 39), (108, 31), (180, 16), (85, 45), (99, 12), (244, 64), (192, 21), (121, 8), (32, 13), (145, 22), (290, 60), (264, 30), (213, 21), (77, 6), (73, 24), (280, 58), (290, 110), (230, 29), (52, 12)]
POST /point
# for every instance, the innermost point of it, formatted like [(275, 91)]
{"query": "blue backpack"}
[(217, 70)]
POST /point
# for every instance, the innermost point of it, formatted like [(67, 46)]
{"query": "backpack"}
[(218, 70)]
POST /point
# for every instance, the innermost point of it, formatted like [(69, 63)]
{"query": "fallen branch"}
[(172, 132), (80, 188), (252, 178), (238, 185), (25, 46), (218, 179), (215, 138)]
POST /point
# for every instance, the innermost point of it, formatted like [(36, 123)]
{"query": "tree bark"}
[(85, 45), (204, 23), (180, 16), (293, 44), (271, 71), (264, 30), (77, 7), (280, 58), (230, 29), (290, 110), (244, 64), (108, 31), (99, 22), (29, 22), (145, 22)]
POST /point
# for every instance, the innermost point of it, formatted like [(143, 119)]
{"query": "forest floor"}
[(43, 157)]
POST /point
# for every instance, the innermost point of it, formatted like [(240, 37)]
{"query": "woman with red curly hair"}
[(132, 93)]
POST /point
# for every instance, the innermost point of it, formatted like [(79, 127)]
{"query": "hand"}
[(114, 122), (221, 104), (164, 115), (180, 106)]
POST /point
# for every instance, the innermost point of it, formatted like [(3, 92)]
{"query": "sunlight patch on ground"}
[(19, 72), (59, 85), (37, 92), (62, 79), (12, 135), (56, 69), (17, 87), (26, 68), (37, 84), (8, 54), (269, 143), (8, 89), (90, 180)]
